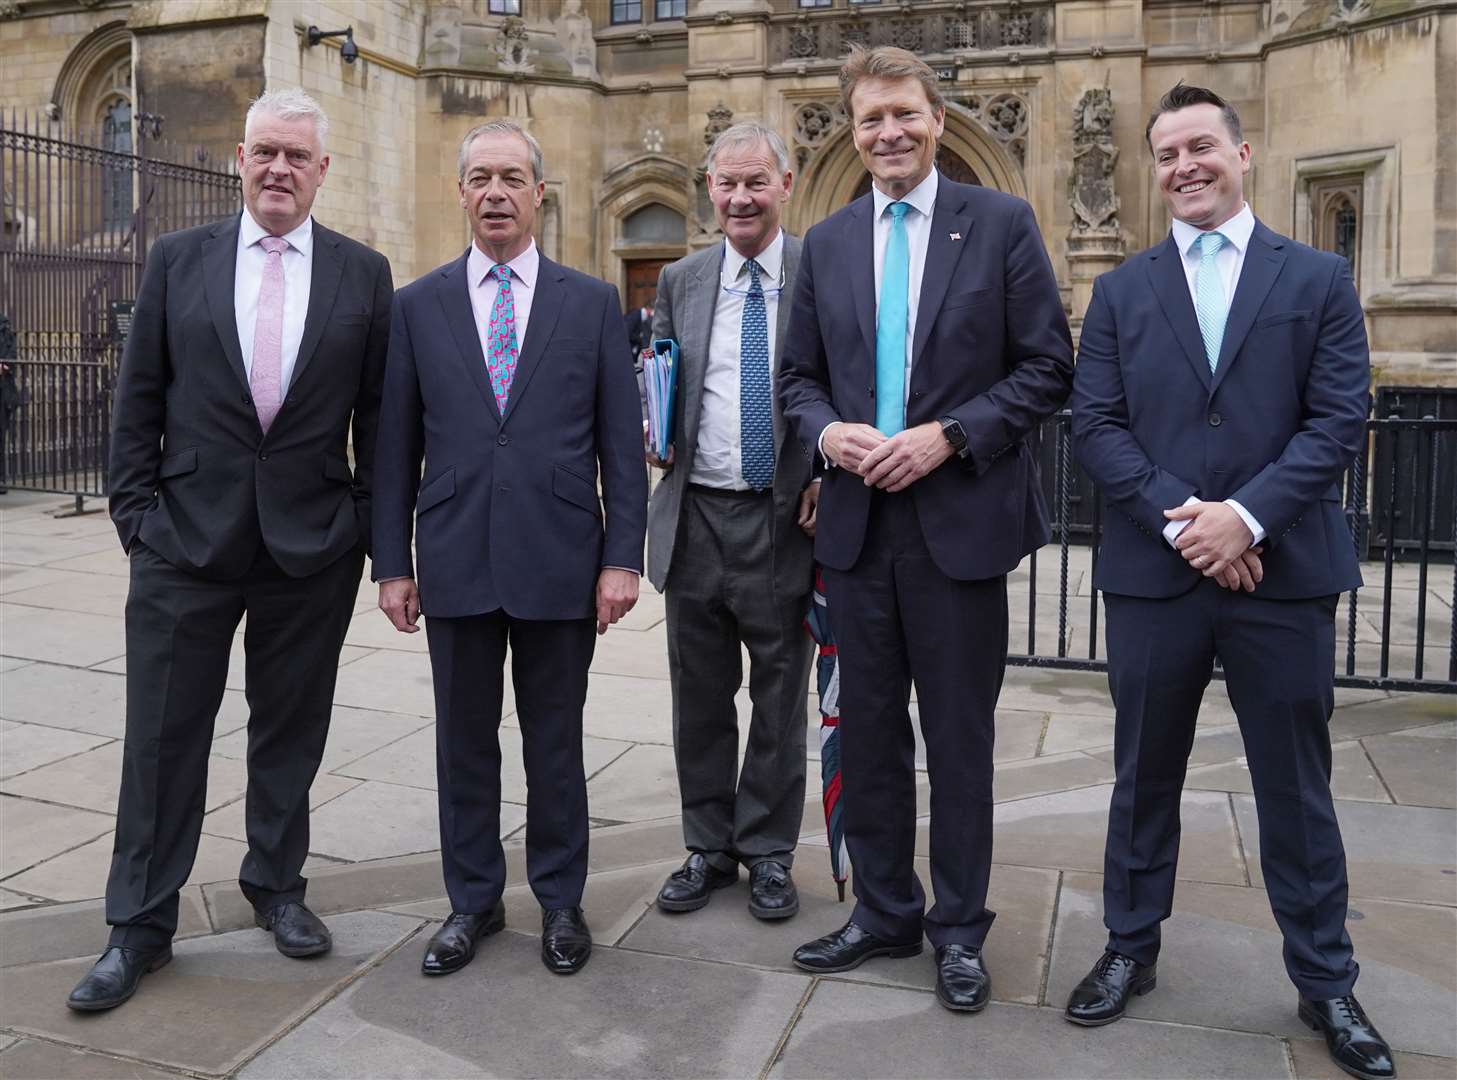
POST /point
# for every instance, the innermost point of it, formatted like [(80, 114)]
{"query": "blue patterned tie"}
[(890, 327), (756, 421), (1210, 304)]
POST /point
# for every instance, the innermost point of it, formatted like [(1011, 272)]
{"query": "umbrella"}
[(828, 665)]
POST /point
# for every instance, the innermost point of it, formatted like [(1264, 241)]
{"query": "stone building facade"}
[(1350, 107)]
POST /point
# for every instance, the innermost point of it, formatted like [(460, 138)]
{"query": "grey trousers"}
[(720, 594)]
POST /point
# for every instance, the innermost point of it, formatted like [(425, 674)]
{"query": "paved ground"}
[(707, 994)]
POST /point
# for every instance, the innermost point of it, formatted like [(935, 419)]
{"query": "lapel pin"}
[(956, 236)]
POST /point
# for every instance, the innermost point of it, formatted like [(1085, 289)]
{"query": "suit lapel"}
[(1171, 286), (546, 306), (942, 255), (454, 296), (700, 299), (1263, 263), (328, 269), (219, 272), (861, 253)]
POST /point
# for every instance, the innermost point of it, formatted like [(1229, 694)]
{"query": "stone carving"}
[(906, 34), (574, 32), (705, 225), (1005, 116), (652, 140), (960, 34), (720, 118), (804, 42), (442, 35), (814, 122), (1017, 28), (1094, 202), (9, 9), (513, 47)]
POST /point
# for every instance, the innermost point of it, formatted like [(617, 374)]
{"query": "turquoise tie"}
[(890, 326), (1210, 304)]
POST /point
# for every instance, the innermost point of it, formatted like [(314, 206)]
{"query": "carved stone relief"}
[(1092, 197)]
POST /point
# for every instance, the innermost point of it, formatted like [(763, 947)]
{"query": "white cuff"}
[(1256, 529), (820, 443), (1174, 528)]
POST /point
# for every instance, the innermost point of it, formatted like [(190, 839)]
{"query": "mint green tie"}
[(890, 326), (1210, 303)]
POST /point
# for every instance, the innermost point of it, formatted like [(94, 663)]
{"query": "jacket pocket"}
[(966, 299), (436, 491), (575, 489), (1284, 317), (179, 464), (336, 468)]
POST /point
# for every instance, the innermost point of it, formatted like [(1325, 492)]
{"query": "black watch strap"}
[(955, 434)]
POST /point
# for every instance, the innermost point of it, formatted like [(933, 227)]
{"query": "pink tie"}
[(266, 377)]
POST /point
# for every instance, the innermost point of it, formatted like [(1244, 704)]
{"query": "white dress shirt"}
[(298, 271), (484, 288), (718, 457), (1229, 261), (922, 202)]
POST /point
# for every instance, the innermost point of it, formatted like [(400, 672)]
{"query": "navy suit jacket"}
[(1273, 428), (507, 514), (991, 349)]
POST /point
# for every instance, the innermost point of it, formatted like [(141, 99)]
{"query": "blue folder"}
[(660, 382)]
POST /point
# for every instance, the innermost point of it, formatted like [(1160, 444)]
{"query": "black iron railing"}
[(1397, 632)]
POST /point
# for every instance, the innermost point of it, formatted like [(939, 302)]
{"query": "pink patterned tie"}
[(501, 358), (266, 377)]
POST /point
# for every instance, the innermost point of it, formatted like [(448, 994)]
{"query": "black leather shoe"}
[(849, 947), (114, 977), (1350, 1036), (772, 894), (689, 887), (963, 983), (566, 943), (296, 930), (1103, 994), (453, 946)]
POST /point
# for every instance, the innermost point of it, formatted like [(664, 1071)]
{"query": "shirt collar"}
[(523, 268), (250, 232), (1236, 231), (922, 197), (769, 260)]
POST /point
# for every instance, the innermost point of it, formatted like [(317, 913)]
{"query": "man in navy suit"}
[(505, 375), (927, 340), (1220, 395)]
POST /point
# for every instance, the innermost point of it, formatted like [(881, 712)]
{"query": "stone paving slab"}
[(92, 780), (394, 682), (35, 1058), (231, 820), (15, 577), (1420, 770), (854, 1030), (1220, 964), (91, 701), (1312, 1062), (239, 976), (80, 874), (59, 931), (375, 820), (724, 931), (353, 733), (1352, 775), (29, 746), (97, 594), (32, 832), (625, 1014), (1393, 712), (40, 549), (1392, 852), (61, 637), (1068, 830)]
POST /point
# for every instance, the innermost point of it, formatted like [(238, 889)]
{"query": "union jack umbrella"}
[(817, 622)]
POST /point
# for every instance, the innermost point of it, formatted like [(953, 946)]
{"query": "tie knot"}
[(501, 272), (898, 210), (1210, 243), (754, 271), (273, 245)]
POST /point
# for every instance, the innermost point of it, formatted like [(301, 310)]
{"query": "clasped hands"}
[(617, 592), (893, 463), (1218, 544)]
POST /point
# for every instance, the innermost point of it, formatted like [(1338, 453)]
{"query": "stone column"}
[(1095, 243)]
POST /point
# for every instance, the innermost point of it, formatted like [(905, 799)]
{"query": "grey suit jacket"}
[(687, 295)]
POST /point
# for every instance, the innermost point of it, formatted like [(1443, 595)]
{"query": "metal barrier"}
[(1410, 590), (78, 212)]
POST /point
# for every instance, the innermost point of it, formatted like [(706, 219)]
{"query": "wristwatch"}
[(955, 435)]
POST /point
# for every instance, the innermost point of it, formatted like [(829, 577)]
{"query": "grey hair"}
[(749, 133), (502, 127), (290, 103)]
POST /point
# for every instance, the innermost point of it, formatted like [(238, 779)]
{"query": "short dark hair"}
[(1181, 95)]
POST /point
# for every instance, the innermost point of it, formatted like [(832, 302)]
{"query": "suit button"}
[(262, 455), (502, 440), (247, 400), (1215, 419)]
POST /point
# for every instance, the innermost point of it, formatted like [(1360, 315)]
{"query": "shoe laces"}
[(1349, 1010)]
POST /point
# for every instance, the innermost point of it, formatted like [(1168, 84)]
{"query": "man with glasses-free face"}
[(728, 539), (255, 360)]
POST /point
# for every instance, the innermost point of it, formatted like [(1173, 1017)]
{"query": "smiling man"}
[(927, 341), (728, 539), (1220, 396), (506, 379), (257, 347)]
